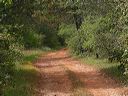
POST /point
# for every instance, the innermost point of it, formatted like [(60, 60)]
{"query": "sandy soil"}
[(61, 75)]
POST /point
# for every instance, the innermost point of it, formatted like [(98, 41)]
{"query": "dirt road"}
[(61, 75)]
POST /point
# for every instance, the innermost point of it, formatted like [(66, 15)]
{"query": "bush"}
[(66, 32), (51, 39), (32, 39), (74, 39), (80, 42), (8, 56), (76, 42), (124, 63)]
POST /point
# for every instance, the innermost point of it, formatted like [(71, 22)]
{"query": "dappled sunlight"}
[(63, 74), (23, 83)]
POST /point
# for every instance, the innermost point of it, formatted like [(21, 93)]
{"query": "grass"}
[(111, 69), (25, 76), (31, 55)]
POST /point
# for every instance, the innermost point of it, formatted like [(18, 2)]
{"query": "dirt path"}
[(61, 75)]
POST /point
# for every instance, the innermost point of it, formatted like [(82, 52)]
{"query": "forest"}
[(95, 32)]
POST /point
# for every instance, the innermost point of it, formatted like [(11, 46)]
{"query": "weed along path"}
[(61, 75)]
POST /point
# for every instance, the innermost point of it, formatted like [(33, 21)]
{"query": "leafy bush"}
[(66, 31), (76, 42), (124, 63), (73, 38), (82, 41), (51, 39), (32, 39), (8, 56)]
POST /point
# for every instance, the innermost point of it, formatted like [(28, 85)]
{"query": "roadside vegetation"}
[(110, 69), (103, 35), (25, 76)]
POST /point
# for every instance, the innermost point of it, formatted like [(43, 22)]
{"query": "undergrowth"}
[(111, 69), (25, 76)]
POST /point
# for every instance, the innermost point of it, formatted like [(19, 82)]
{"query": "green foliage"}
[(51, 39), (89, 27), (124, 62), (82, 41), (31, 55), (32, 40), (111, 69), (102, 34), (105, 34), (66, 31), (23, 82), (15, 17), (8, 56), (24, 76), (76, 43), (115, 25), (73, 39)]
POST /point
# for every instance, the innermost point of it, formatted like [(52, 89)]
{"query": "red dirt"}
[(61, 75)]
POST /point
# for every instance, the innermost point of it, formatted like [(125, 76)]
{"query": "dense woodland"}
[(86, 27)]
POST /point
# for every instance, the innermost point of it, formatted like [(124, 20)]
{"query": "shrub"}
[(32, 39), (8, 57), (124, 63), (51, 39), (76, 42)]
